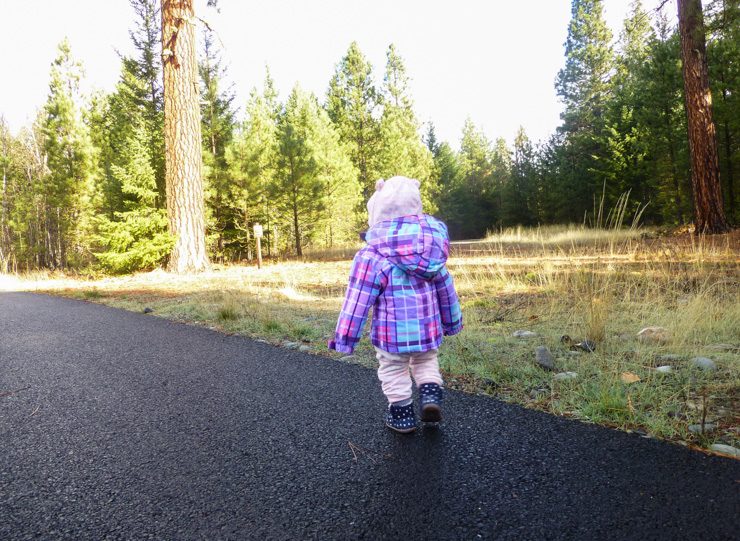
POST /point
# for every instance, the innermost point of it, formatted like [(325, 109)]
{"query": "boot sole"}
[(431, 413), (401, 430)]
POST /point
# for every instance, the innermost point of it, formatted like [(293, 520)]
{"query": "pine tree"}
[(723, 53), (252, 161), (519, 194), (451, 199), (663, 116), (353, 103), (217, 121), (184, 162), (68, 187), (6, 140), (709, 215), (478, 194), (501, 177), (402, 151), (624, 165), (430, 139), (313, 168), (583, 86), (146, 66), (137, 237), (25, 177)]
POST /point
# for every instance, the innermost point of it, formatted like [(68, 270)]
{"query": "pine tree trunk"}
[(674, 177), (182, 135), (4, 232), (730, 180), (709, 214), (296, 225)]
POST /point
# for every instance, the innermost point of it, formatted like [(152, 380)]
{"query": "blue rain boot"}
[(430, 395), (401, 418)]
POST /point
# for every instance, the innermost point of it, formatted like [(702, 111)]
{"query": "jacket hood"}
[(417, 244)]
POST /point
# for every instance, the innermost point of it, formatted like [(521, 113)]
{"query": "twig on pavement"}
[(9, 393)]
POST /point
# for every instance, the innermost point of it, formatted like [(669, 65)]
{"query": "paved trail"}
[(130, 426)]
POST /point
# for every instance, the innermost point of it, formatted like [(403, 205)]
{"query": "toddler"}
[(401, 273)]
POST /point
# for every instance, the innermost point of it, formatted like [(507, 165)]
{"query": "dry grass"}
[(606, 290)]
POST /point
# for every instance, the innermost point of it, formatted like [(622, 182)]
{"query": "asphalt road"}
[(115, 425)]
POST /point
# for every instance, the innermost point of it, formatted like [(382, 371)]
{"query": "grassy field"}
[(600, 286)]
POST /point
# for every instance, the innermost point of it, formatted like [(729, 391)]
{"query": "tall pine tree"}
[(583, 87), (217, 122), (313, 168), (67, 188), (402, 151), (353, 103)]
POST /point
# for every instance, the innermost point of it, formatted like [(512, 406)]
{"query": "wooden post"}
[(258, 238)]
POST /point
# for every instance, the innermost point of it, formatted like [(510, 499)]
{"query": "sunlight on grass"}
[(554, 234)]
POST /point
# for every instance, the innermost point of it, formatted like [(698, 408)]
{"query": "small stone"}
[(654, 335), (587, 345), (349, 358), (304, 349), (725, 449), (664, 369), (565, 375), (148, 310), (708, 427), (703, 363), (291, 345), (523, 334), (536, 394), (544, 358), (669, 358)]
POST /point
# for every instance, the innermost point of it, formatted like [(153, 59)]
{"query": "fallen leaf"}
[(629, 377)]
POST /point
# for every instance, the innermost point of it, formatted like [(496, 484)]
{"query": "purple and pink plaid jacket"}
[(401, 273)]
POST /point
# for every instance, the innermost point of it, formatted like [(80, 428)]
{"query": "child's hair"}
[(395, 197)]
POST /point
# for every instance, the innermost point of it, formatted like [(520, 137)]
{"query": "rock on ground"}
[(523, 334), (703, 363), (697, 429), (655, 335), (726, 449), (544, 358)]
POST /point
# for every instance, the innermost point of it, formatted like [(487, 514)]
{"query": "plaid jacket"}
[(401, 273)]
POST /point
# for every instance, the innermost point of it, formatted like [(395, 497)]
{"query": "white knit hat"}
[(395, 197)]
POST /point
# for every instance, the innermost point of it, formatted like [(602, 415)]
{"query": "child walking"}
[(401, 274)]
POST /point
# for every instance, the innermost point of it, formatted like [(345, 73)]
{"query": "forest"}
[(84, 185)]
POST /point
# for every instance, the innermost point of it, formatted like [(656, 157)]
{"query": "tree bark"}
[(709, 216), (730, 180), (182, 135), (296, 225)]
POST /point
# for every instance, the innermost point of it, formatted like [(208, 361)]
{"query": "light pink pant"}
[(394, 376)]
